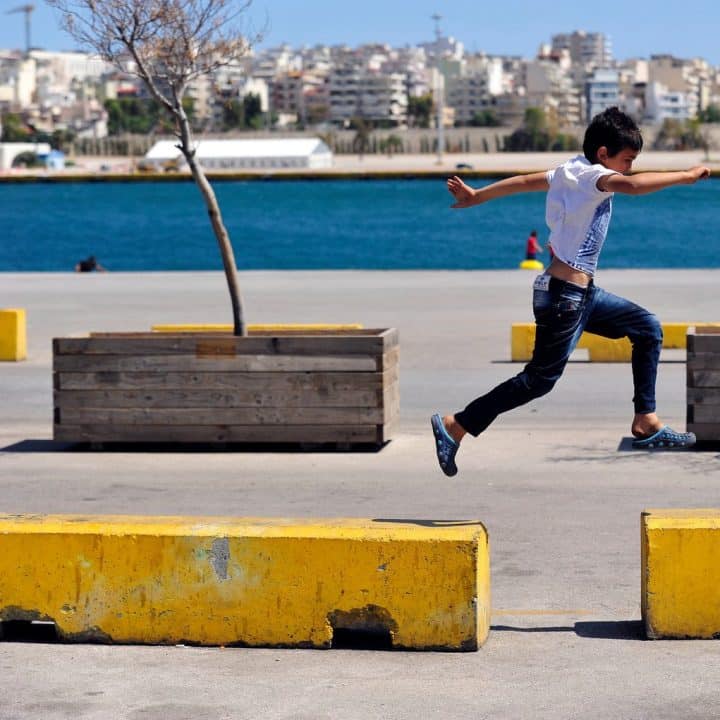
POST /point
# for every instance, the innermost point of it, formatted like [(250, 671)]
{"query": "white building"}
[(602, 90), (694, 78), (589, 50), (549, 86), (476, 89), (664, 104), (10, 151), (18, 82), (248, 154), (353, 91)]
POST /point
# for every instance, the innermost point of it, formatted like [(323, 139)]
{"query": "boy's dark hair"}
[(613, 129)]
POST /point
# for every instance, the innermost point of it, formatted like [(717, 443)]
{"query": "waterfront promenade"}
[(554, 482), (378, 164)]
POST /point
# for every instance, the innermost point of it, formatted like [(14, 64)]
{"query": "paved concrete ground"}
[(553, 482)]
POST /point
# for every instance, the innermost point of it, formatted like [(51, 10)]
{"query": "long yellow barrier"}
[(600, 349), (266, 327), (247, 581), (681, 573), (13, 334)]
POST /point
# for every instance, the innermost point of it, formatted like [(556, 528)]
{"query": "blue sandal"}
[(665, 437), (445, 446)]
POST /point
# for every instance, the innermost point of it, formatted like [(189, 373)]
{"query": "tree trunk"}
[(216, 221)]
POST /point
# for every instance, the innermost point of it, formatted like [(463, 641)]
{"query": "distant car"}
[(463, 166)]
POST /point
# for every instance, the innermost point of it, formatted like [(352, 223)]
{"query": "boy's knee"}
[(649, 333), (538, 385)]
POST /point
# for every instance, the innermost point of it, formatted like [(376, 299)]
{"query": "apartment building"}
[(18, 81), (602, 90), (586, 49), (694, 78), (548, 85), (661, 104), (475, 88), (356, 91)]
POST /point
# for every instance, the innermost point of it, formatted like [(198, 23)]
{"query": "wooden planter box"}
[(279, 387), (703, 383)]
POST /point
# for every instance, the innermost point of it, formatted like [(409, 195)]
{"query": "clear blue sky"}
[(517, 27)]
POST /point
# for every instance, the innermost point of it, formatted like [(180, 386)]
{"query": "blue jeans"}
[(563, 311)]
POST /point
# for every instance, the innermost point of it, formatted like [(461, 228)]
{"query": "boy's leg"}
[(559, 309), (614, 317)]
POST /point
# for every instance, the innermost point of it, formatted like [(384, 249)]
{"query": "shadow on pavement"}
[(611, 629), (48, 446), (595, 629), (551, 629), (626, 446)]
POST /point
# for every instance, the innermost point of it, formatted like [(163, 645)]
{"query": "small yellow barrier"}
[(247, 581), (267, 327), (13, 334), (680, 573), (600, 349)]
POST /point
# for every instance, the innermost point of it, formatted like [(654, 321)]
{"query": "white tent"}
[(10, 151), (244, 154)]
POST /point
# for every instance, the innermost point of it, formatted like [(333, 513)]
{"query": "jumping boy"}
[(566, 302)]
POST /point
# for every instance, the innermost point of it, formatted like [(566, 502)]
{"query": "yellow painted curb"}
[(13, 334), (267, 327), (680, 573), (247, 581), (600, 349)]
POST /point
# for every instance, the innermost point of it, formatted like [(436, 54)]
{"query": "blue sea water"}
[(333, 224)]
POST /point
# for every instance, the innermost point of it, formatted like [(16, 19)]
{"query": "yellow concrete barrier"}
[(600, 349), (267, 327), (13, 334), (681, 573), (247, 581)]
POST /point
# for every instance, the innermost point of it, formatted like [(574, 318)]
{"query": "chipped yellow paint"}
[(248, 581), (600, 349), (680, 573), (13, 334), (267, 327)]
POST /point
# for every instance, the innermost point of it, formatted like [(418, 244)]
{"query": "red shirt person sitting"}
[(533, 246)]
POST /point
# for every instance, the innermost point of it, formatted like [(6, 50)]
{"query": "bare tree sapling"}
[(168, 44)]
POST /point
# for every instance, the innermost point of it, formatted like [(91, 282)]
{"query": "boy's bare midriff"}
[(560, 270)]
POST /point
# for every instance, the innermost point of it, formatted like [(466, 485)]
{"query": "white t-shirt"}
[(577, 213)]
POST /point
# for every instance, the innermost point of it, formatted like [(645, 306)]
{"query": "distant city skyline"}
[(637, 29)]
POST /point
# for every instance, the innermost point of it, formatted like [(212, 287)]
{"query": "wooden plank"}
[(390, 399), (705, 343), (235, 398), (255, 328), (220, 416), (217, 433), (388, 360), (703, 361), (703, 396), (705, 432), (707, 414), (295, 381), (388, 430), (253, 331), (225, 346), (241, 363), (703, 378)]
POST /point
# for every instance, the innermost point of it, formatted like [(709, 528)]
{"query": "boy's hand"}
[(700, 172), (464, 195)]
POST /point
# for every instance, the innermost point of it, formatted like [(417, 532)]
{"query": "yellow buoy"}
[(531, 265)]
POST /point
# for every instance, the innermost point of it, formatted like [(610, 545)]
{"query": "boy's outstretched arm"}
[(465, 196), (647, 182)]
